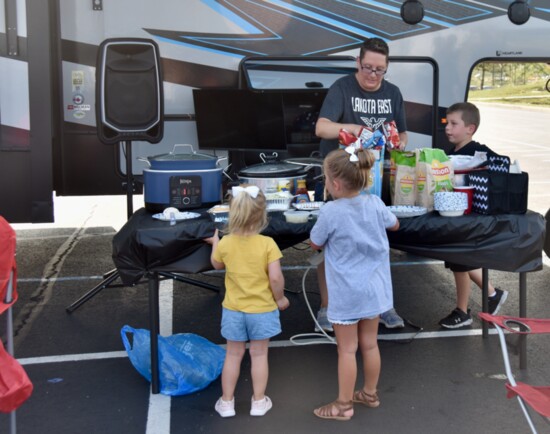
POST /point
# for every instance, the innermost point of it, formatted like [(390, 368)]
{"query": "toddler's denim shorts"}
[(244, 327)]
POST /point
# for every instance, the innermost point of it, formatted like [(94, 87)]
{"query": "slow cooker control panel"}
[(185, 191)]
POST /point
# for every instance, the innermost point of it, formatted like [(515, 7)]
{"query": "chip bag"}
[(434, 173), (403, 178)]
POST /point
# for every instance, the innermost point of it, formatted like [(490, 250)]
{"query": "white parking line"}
[(72, 358), (419, 261), (158, 413), (273, 344)]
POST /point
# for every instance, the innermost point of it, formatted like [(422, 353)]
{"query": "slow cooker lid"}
[(183, 157), (272, 170)]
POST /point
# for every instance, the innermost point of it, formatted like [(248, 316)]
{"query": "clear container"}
[(296, 216)]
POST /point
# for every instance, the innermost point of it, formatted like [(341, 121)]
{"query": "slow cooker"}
[(184, 180), (182, 189), (267, 175)]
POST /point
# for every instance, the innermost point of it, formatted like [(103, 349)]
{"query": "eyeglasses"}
[(369, 70)]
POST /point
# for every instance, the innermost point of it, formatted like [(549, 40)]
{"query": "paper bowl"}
[(451, 213), (450, 201)]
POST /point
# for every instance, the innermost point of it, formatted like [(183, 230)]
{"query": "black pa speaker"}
[(129, 97)]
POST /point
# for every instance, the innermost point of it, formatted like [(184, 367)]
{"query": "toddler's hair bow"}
[(251, 190), (351, 150)]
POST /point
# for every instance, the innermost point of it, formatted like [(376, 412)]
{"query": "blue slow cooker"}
[(182, 189)]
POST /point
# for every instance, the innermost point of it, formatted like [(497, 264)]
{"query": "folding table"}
[(147, 248)]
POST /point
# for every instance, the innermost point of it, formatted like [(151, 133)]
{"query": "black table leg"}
[(523, 314), (484, 300), (154, 325)]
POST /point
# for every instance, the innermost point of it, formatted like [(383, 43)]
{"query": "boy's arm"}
[(277, 284)]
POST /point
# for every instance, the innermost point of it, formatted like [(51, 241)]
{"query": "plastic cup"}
[(469, 190)]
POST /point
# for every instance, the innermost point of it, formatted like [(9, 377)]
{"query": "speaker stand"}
[(129, 178)]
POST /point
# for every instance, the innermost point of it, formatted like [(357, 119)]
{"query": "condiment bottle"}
[(302, 195)]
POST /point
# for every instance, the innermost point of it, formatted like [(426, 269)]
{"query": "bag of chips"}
[(403, 178), (434, 173)]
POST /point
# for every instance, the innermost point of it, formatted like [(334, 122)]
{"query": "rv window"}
[(295, 73), (514, 101)]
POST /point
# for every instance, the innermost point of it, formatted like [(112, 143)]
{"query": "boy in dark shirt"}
[(462, 122)]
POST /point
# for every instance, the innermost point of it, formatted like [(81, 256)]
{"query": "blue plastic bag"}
[(187, 362)]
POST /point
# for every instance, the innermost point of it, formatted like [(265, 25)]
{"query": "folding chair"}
[(537, 397), (15, 386)]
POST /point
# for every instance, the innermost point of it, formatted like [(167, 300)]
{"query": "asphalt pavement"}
[(432, 380)]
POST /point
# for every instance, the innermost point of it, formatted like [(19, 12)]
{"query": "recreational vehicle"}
[(50, 141)]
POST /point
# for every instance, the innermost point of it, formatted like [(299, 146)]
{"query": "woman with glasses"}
[(362, 99)]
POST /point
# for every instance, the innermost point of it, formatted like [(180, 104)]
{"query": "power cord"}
[(324, 338)]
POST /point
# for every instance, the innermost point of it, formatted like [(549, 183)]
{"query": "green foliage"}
[(511, 83)]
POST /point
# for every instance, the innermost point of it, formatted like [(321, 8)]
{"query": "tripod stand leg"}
[(112, 276), (183, 279), (154, 324)]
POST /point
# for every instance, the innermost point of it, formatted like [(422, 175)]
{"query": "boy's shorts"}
[(244, 327), (458, 267)]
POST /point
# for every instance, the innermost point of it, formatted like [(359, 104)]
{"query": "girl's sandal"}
[(362, 397), (344, 410)]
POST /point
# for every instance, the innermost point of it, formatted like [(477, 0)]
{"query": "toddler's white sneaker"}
[(261, 407), (225, 408)]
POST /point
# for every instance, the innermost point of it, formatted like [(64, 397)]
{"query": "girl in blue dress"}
[(352, 232)]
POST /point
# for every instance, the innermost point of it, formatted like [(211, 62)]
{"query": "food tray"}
[(404, 211), (308, 206)]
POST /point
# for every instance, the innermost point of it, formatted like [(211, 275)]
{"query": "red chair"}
[(537, 397), (15, 386)]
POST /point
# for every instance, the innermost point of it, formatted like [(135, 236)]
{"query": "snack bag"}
[(434, 172), (367, 140), (376, 173), (403, 178), (345, 138), (392, 135)]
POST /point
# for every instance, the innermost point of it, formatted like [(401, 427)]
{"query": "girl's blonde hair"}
[(247, 214), (354, 174)]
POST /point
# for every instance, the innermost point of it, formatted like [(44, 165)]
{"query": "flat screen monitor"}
[(300, 112), (237, 119), (244, 120)]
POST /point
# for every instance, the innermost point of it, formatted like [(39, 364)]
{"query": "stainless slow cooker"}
[(267, 175)]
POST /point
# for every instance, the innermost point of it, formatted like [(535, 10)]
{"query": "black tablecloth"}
[(507, 242), (145, 244), (502, 242)]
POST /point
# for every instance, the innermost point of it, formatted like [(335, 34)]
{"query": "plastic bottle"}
[(302, 195)]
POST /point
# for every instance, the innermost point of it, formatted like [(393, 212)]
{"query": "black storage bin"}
[(499, 193)]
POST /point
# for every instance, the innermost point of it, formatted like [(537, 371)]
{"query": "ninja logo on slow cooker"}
[(185, 181)]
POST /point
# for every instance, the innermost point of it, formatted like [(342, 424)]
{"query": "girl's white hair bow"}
[(351, 150), (251, 190)]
